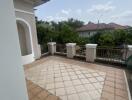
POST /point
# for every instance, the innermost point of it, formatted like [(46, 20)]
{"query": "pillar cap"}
[(71, 44), (91, 45), (129, 47), (51, 43)]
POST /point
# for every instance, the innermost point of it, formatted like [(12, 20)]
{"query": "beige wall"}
[(12, 79), (24, 38), (30, 19), (20, 4)]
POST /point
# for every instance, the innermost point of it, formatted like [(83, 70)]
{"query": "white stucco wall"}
[(22, 5), (12, 80), (28, 16), (87, 33)]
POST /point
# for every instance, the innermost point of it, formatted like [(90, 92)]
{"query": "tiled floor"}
[(35, 92), (75, 80)]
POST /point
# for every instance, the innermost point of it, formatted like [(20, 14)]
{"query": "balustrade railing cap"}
[(91, 45), (51, 43), (70, 44), (129, 47)]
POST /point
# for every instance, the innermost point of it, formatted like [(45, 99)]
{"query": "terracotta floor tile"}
[(120, 98), (36, 98), (54, 72), (38, 93), (120, 86), (36, 90), (110, 79), (110, 83), (121, 93), (43, 95), (52, 97), (108, 96), (108, 89)]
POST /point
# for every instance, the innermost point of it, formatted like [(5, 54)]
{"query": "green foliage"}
[(95, 38), (106, 39), (129, 37), (65, 32), (83, 41), (61, 32), (120, 37), (112, 38)]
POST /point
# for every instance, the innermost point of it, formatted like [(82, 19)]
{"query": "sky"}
[(106, 11)]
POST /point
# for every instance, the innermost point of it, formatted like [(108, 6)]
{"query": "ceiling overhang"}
[(36, 2)]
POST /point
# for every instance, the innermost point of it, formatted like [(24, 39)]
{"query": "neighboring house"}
[(25, 19), (91, 28)]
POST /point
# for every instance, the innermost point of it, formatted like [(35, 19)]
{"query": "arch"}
[(26, 28)]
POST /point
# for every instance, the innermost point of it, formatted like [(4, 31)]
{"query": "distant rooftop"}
[(92, 26)]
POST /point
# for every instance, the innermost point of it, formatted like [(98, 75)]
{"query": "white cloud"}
[(78, 11), (101, 8), (49, 18), (60, 18), (66, 12), (124, 18), (126, 14), (56, 18)]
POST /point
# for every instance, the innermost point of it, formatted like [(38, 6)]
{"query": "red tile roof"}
[(92, 26)]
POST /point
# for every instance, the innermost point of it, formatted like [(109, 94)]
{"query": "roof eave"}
[(39, 2)]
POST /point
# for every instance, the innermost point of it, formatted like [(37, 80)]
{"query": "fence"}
[(111, 55), (61, 49), (44, 49), (81, 50)]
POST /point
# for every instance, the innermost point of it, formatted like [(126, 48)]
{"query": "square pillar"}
[(129, 52), (71, 50), (91, 52), (39, 51), (52, 47)]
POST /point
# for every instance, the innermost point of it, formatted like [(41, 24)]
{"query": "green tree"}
[(106, 39), (120, 37)]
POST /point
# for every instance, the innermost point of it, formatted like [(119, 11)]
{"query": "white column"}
[(129, 52), (39, 51), (91, 52), (12, 78), (71, 50), (52, 47)]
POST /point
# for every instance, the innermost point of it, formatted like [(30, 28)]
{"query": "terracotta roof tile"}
[(92, 26)]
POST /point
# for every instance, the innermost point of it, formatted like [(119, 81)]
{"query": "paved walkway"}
[(75, 80)]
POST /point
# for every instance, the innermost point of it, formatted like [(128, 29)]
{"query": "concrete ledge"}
[(71, 44), (91, 45), (127, 86), (51, 43), (27, 59), (130, 47)]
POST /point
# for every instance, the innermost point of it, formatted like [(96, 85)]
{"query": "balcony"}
[(61, 78)]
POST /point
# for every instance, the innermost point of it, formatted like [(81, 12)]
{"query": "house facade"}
[(25, 20), (18, 43), (91, 28)]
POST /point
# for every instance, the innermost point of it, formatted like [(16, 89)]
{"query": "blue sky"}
[(119, 11)]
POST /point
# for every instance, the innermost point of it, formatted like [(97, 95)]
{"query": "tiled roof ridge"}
[(94, 26)]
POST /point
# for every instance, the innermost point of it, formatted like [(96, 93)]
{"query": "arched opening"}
[(24, 38), (25, 41)]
